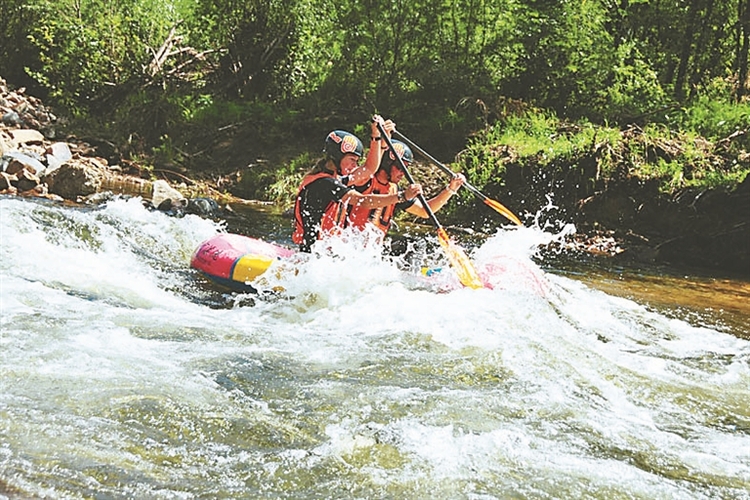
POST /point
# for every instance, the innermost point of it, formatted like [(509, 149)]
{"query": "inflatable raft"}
[(234, 261)]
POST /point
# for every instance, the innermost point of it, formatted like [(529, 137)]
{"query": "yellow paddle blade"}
[(501, 209), (459, 261)]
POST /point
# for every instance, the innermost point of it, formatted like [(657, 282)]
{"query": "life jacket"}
[(334, 214), (359, 216)]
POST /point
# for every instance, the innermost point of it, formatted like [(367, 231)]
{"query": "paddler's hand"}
[(388, 126), (412, 191), (456, 182)]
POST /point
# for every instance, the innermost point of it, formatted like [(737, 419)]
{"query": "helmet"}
[(339, 142), (404, 152)]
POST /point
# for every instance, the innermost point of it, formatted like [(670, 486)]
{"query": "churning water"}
[(123, 374)]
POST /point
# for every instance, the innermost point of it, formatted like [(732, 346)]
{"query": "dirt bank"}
[(631, 220)]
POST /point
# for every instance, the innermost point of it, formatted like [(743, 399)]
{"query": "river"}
[(124, 374)]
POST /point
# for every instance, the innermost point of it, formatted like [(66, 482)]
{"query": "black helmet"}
[(339, 142), (404, 152)]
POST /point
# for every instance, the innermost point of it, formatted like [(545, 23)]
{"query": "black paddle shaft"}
[(409, 178), (442, 167), (495, 205)]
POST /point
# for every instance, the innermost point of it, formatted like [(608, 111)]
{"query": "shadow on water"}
[(267, 222)]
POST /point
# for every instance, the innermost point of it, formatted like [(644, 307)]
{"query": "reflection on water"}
[(716, 302), (122, 375)]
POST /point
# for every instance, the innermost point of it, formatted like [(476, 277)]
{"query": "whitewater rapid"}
[(124, 374)]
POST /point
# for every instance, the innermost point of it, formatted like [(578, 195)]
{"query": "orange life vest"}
[(334, 214), (379, 217)]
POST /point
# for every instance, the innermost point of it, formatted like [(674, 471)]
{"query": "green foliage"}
[(142, 120), (541, 134), (680, 160), (16, 51), (634, 88), (581, 59), (286, 179), (282, 72), (196, 105), (166, 154), (416, 59), (87, 49), (277, 183), (688, 43), (567, 56), (269, 47), (715, 115), (676, 160)]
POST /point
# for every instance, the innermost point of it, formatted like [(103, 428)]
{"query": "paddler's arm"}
[(378, 148), (354, 197), (437, 202)]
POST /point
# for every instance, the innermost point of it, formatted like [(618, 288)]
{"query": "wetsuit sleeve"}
[(405, 204), (314, 198), (328, 189)]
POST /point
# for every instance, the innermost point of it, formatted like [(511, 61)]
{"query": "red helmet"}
[(403, 151), (339, 142)]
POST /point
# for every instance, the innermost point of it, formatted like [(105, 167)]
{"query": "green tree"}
[(568, 56), (89, 50), (688, 42), (267, 47), (17, 53)]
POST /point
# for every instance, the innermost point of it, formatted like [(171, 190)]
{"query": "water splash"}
[(121, 380)]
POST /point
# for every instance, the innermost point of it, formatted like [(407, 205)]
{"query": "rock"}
[(162, 192), (75, 178), (71, 169), (98, 198), (6, 180), (27, 136), (14, 161), (52, 164), (205, 207), (59, 150), (26, 180), (19, 109), (165, 206), (12, 118), (130, 186)]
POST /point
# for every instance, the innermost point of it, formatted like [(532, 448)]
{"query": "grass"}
[(700, 158)]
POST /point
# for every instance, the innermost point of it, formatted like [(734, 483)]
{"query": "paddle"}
[(495, 205), (456, 256)]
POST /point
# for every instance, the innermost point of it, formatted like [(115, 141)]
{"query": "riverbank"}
[(620, 217), (632, 220)]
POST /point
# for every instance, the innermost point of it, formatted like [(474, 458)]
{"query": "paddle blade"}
[(496, 206), (459, 261)]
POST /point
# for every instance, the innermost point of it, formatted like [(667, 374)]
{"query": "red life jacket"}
[(379, 217), (334, 214)]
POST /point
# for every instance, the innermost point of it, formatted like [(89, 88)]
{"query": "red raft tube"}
[(233, 261)]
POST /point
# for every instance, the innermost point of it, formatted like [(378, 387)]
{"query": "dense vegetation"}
[(184, 82)]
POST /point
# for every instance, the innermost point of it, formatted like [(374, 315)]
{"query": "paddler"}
[(326, 191), (385, 181)]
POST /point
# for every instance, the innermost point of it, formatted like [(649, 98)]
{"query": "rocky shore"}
[(34, 163)]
